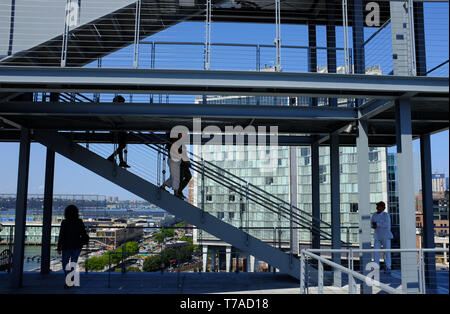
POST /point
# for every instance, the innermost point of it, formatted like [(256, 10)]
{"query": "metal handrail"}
[(346, 270), (235, 187), (221, 171), (258, 198), (352, 274)]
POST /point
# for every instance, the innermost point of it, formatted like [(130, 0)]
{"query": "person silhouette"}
[(72, 237), (381, 223), (121, 139)]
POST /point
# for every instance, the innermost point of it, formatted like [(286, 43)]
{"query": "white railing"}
[(352, 274)]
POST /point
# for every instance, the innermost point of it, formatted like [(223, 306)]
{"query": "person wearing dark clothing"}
[(186, 175), (72, 237), (121, 140)]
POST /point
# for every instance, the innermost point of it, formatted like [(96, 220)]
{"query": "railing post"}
[(351, 280), (87, 259), (65, 35), (320, 278), (203, 190), (109, 269), (422, 273), (302, 273)]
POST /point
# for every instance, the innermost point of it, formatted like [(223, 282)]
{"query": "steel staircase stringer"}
[(181, 209)]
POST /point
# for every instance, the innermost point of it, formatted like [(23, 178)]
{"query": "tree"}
[(152, 263)]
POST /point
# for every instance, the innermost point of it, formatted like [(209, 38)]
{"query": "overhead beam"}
[(148, 81), (177, 110)]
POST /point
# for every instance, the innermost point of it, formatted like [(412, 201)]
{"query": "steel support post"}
[(427, 201), (228, 258), (205, 257), (362, 146), (293, 172), (21, 209), (335, 204), (410, 283), (315, 181), (47, 212)]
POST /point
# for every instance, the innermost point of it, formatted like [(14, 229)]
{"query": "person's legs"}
[(376, 255), (65, 260), (74, 255), (387, 255), (186, 175), (175, 175)]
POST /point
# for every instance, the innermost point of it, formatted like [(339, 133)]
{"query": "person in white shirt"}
[(381, 223)]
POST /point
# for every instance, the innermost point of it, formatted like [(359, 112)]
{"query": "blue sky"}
[(73, 179)]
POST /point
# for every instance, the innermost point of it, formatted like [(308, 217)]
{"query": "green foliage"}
[(181, 224), (133, 269), (152, 263), (165, 233), (115, 256), (181, 255)]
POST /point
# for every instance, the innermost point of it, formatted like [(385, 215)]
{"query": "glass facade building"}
[(230, 207)]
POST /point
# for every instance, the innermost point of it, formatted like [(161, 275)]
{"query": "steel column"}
[(427, 201), (293, 172), (228, 258), (362, 144), (335, 204), (205, 257), (21, 209), (410, 283), (47, 212), (315, 181)]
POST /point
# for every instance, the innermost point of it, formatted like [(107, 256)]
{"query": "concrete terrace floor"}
[(156, 283)]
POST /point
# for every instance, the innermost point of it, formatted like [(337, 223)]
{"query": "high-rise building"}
[(226, 205), (438, 182), (392, 188)]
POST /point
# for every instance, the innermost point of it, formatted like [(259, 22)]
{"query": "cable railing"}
[(146, 34), (251, 192)]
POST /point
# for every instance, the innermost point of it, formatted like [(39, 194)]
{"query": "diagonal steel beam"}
[(374, 107), (150, 192)]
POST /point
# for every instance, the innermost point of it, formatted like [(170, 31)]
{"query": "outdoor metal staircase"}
[(236, 237), (246, 190)]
